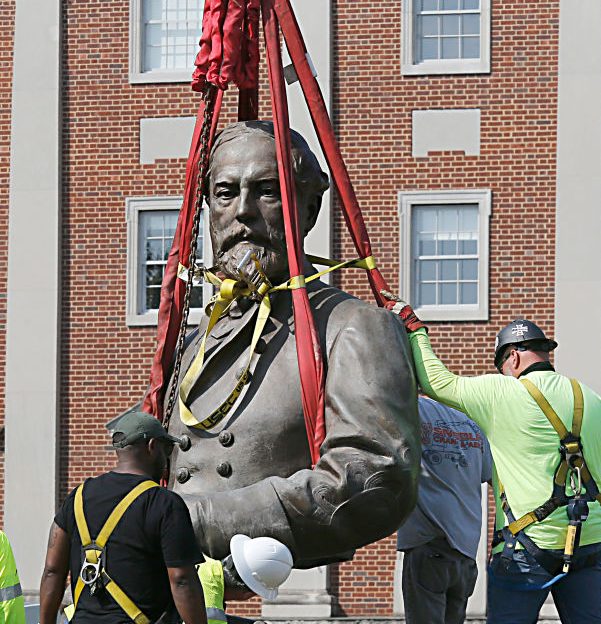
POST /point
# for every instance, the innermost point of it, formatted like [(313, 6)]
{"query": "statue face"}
[(246, 207)]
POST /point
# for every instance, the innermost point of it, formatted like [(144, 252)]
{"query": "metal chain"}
[(203, 161)]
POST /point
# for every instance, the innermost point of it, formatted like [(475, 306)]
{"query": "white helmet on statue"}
[(263, 563)]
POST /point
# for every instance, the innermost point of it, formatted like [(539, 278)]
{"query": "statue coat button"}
[(226, 438), (224, 469), (182, 475)]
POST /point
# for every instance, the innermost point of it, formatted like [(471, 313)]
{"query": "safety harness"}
[(93, 572), (572, 464)]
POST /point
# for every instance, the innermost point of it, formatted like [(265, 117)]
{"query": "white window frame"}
[(136, 74), (133, 207), (407, 201), (411, 67)]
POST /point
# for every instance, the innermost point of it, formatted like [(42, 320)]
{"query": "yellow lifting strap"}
[(93, 554), (229, 291)]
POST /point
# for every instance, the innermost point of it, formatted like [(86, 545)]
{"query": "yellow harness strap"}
[(229, 291), (93, 554), (546, 408), (562, 471)]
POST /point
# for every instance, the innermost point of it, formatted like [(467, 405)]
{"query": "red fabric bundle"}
[(229, 45)]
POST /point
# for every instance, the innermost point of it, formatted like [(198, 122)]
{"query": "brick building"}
[(471, 132)]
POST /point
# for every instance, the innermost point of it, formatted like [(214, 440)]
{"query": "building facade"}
[(471, 134)]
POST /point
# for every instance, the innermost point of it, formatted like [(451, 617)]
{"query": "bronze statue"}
[(252, 472)]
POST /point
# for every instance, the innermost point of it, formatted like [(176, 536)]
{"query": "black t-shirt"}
[(154, 534)]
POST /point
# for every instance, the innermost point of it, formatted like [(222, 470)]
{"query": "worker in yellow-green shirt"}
[(12, 606), (544, 431)]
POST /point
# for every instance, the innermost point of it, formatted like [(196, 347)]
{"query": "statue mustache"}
[(275, 244)]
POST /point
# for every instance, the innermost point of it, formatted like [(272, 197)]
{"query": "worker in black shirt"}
[(128, 542)]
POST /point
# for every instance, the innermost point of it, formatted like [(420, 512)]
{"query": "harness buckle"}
[(570, 449), (576, 483), (90, 572), (251, 272)]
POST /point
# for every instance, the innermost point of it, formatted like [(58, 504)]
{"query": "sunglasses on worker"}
[(509, 351)]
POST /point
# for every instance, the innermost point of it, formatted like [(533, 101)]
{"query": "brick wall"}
[(518, 102), (7, 18), (105, 364)]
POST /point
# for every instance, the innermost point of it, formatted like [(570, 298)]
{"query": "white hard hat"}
[(263, 563)]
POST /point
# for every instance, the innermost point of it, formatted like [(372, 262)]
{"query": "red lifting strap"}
[(229, 53)]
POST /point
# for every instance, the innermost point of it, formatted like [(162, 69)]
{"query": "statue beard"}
[(272, 258)]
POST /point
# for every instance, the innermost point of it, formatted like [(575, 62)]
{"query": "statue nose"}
[(247, 207)]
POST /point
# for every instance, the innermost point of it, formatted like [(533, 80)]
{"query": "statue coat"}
[(252, 473)]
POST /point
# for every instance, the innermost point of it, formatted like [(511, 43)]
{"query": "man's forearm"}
[(52, 589), (56, 567), (188, 596)]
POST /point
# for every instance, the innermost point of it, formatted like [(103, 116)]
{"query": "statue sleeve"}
[(364, 484)]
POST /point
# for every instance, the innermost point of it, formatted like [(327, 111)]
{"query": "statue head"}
[(244, 196)]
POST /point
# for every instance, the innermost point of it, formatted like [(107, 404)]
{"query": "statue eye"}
[(224, 192), (270, 189)]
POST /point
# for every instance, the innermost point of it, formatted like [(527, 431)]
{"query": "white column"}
[(306, 593), (32, 357), (578, 279), (315, 20)]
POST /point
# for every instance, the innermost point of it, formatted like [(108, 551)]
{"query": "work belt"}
[(572, 464), (93, 572)]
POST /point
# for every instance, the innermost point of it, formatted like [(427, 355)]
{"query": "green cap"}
[(136, 426)]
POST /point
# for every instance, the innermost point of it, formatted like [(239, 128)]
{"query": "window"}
[(444, 254), (446, 36), (164, 39), (151, 226)]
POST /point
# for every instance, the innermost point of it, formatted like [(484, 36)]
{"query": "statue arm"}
[(364, 484)]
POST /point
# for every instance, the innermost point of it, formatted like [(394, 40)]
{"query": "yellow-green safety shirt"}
[(12, 604), (211, 577), (524, 445)]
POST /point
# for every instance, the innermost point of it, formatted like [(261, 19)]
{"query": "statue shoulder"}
[(342, 311)]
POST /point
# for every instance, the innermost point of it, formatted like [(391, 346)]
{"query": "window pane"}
[(450, 48), (427, 246), (468, 293), (447, 294), (470, 5), (468, 247), (427, 270), (468, 218), (196, 297), (427, 294), (429, 49), (425, 219), (447, 219), (428, 5), (429, 25), (471, 47), (154, 249), (470, 24), (449, 5), (447, 247), (154, 224), (168, 27), (468, 269), (448, 270), (450, 24), (152, 10), (153, 298), (154, 275)]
